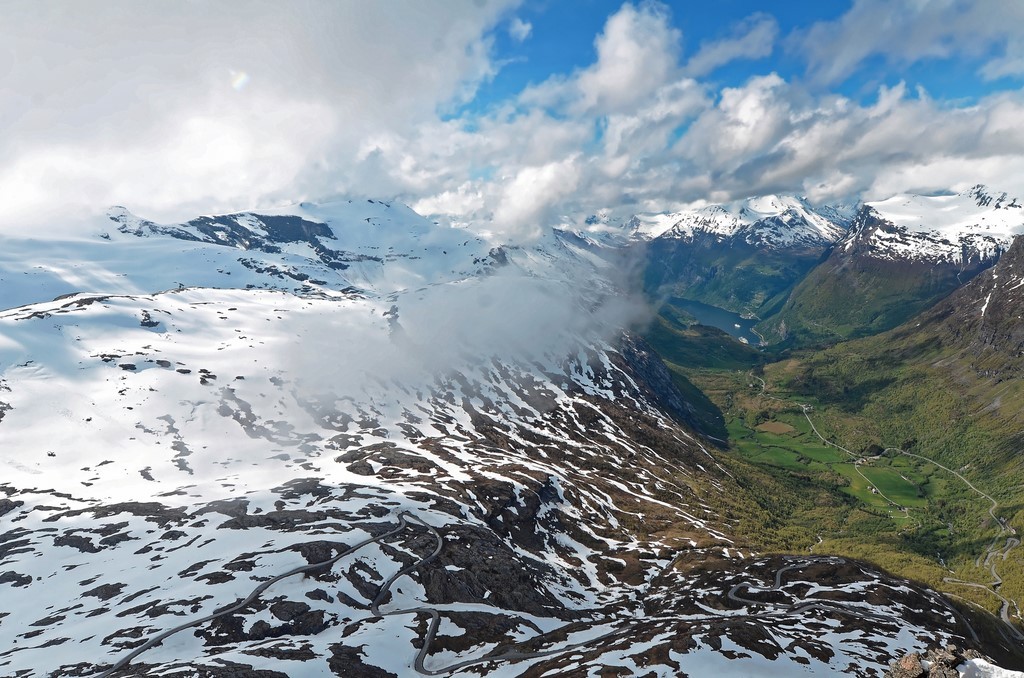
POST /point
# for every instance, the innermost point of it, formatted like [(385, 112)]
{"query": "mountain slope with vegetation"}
[(899, 257), (945, 387)]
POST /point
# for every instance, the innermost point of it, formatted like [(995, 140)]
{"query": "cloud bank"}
[(213, 107)]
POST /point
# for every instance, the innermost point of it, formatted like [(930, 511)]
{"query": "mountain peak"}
[(771, 221), (976, 224), (983, 196)]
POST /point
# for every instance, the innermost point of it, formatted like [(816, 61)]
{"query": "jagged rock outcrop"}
[(937, 662)]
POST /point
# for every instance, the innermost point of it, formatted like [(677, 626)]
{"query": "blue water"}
[(727, 321)]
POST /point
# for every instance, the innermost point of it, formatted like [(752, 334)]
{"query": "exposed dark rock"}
[(48, 621), (287, 610), (348, 661), (284, 651), (484, 564), (83, 544), (309, 623), (105, 591), (232, 670), (151, 511), (319, 594), (8, 505), (15, 579)]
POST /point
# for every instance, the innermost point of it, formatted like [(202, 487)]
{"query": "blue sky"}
[(562, 37), (562, 40), (506, 115)]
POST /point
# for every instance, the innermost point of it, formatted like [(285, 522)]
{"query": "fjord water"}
[(727, 321)]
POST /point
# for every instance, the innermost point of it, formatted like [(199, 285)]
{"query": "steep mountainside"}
[(743, 256), (900, 256), (983, 320), (946, 385), (345, 441), (976, 336)]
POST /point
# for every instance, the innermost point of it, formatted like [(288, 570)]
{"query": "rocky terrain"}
[(342, 440), (947, 662)]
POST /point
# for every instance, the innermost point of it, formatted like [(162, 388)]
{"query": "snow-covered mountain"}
[(771, 221), (972, 226), (900, 256), (342, 440), (744, 256)]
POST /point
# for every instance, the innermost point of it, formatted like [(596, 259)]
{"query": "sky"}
[(506, 116)]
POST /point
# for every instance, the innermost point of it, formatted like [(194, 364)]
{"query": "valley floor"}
[(824, 480)]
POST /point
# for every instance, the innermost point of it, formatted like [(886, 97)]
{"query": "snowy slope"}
[(975, 225), (770, 221), (348, 245), (452, 439)]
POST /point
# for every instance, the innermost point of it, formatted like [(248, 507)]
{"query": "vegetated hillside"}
[(685, 345), (945, 386), (738, 277), (972, 343), (900, 256), (355, 443), (744, 256)]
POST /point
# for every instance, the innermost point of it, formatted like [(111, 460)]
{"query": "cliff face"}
[(984, 318)]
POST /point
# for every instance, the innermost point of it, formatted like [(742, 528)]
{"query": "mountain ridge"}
[(899, 257), (272, 424), (770, 221)]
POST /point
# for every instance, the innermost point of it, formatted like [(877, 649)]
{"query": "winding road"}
[(156, 640), (779, 611), (989, 555), (435, 616), (827, 605)]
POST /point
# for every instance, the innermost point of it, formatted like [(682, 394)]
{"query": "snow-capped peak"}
[(974, 224), (772, 221)]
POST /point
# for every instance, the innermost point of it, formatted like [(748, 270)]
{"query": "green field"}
[(805, 495), (895, 485)]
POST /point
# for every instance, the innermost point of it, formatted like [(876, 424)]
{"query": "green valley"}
[(901, 448)]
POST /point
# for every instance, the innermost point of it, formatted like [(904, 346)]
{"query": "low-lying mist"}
[(416, 338)]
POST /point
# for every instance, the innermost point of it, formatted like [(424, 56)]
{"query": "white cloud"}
[(636, 54), (206, 111), (746, 121), (214, 106), (648, 129), (531, 197), (906, 32), (199, 163), (519, 30), (674, 140), (769, 136), (754, 38), (1010, 64), (467, 199)]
